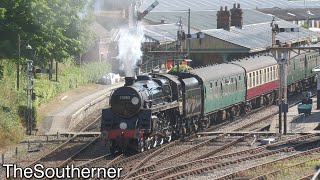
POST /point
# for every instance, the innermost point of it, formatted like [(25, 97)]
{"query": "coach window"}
[(274, 72), (267, 74), (264, 76), (261, 77), (249, 81), (236, 84), (232, 84), (254, 79), (210, 85), (257, 78)]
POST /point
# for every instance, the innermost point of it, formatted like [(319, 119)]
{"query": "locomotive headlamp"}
[(135, 100), (123, 125)]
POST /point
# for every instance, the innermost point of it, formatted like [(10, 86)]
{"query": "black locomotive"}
[(143, 113)]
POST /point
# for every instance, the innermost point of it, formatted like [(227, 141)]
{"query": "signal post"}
[(281, 53)]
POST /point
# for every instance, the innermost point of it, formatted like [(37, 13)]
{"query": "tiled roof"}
[(204, 19), (257, 37)]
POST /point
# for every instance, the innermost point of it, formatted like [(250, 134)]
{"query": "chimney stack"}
[(223, 19), (129, 81), (236, 16)]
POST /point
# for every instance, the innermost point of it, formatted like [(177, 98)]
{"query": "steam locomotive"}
[(153, 109)]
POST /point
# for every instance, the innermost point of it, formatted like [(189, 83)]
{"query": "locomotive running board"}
[(165, 106)]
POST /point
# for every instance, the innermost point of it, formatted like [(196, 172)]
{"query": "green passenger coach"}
[(223, 86)]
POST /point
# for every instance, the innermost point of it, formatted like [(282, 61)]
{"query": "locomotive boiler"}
[(140, 113)]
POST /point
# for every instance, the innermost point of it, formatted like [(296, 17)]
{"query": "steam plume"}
[(129, 46)]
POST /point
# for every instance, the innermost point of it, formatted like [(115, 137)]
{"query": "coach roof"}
[(217, 71), (256, 62)]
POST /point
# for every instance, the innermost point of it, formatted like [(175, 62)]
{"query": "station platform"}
[(299, 123), (71, 109)]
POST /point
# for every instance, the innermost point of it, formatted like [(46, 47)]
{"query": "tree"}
[(55, 29)]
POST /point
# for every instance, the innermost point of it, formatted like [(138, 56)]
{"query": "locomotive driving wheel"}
[(148, 144), (154, 142), (205, 123), (169, 137), (141, 145)]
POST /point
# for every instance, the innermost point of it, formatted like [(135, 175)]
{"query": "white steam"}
[(129, 46)]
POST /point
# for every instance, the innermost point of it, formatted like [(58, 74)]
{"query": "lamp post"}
[(29, 91)]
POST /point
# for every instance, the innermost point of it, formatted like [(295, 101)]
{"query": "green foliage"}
[(2, 12), (55, 29), (13, 102), (182, 68), (70, 76), (10, 127)]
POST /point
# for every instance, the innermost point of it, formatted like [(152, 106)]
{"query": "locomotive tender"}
[(155, 108)]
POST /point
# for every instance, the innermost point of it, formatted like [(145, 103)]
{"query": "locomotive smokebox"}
[(129, 81)]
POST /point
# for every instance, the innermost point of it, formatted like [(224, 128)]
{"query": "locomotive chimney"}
[(129, 81)]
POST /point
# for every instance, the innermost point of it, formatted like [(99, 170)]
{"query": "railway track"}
[(164, 161), (210, 164), (67, 151), (315, 153), (152, 172), (125, 161), (290, 169)]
